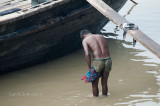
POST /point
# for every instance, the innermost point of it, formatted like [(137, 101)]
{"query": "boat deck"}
[(10, 4), (6, 5), (12, 9)]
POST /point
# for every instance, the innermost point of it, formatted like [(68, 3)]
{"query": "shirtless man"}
[(102, 62)]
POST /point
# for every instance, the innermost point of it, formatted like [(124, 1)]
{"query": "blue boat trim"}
[(9, 11)]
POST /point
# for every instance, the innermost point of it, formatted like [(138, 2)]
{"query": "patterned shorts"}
[(102, 64)]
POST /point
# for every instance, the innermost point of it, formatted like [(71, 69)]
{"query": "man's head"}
[(83, 33)]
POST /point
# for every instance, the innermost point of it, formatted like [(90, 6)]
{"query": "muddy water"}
[(134, 79)]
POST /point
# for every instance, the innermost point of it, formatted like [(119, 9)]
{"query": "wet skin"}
[(99, 48)]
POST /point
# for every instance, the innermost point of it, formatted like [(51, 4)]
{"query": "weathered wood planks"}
[(118, 20)]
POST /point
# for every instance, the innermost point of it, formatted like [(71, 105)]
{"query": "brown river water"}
[(133, 81)]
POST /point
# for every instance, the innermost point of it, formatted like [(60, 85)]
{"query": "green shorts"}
[(104, 64)]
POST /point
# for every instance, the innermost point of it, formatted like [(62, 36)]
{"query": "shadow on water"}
[(58, 82)]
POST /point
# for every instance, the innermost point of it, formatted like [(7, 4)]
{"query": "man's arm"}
[(87, 54)]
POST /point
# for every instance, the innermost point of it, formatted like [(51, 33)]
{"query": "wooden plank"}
[(14, 4), (118, 20)]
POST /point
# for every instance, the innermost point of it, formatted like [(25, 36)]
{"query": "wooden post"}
[(118, 20)]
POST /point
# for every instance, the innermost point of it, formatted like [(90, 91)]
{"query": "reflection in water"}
[(109, 34), (133, 81), (132, 7), (145, 98), (129, 11), (133, 1), (58, 82)]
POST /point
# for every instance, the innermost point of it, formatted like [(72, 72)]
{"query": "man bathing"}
[(102, 62)]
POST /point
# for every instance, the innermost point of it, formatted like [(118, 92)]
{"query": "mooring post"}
[(138, 35)]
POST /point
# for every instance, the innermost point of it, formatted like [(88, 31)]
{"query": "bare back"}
[(98, 45)]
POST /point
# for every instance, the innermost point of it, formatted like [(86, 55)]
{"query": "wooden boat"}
[(34, 32)]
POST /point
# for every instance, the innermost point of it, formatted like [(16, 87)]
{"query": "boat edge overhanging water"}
[(47, 31)]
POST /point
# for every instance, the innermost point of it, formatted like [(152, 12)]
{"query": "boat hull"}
[(48, 34)]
